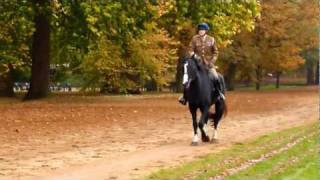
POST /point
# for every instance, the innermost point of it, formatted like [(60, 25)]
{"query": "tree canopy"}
[(119, 45)]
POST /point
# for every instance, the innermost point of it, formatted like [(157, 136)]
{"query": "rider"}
[(203, 47)]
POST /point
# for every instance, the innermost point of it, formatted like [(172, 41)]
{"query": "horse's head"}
[(190, 70)]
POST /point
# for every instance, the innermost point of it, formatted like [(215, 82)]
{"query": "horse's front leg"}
[(193, 111), (202, 123)]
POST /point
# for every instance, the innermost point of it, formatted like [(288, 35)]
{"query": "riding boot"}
[(217, 85), (219, 88)]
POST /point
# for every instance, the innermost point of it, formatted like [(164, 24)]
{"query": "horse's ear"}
[(183, 60)]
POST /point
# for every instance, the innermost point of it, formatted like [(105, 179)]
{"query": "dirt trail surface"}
[(127, 137)]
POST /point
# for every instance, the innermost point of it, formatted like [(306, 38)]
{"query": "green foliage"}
[(15, 33), (311, 55), (153, 56), (120, 21), (150, 58), (102, 65), (225, 17), (132, 44), (98, 29)]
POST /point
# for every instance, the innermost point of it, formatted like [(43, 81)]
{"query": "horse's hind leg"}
[(219, 108), (215, 134), (202, 122), (195, 138)]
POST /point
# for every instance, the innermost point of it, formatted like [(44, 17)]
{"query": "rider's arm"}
[(215, 52)]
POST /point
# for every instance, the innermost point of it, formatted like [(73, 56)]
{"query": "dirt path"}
[(124, 138)]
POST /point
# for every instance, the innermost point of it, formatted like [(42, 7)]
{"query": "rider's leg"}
[(222, 84), (215, 80)]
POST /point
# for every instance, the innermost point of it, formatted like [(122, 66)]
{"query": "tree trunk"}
[(317, 74), (39, 85), (310, 73), (278, 74), (6, 83), (230, 76), (258, 78)]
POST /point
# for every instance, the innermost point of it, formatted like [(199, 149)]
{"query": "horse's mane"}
[(199, 65)]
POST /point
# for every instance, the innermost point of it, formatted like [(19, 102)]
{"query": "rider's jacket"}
[(205, 47)]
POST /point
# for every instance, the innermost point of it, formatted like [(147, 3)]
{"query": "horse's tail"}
[(221, 109), (225, 108)]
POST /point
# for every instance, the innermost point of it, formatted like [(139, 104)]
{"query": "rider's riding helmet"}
[(203, 26)]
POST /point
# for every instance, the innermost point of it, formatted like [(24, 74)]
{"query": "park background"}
[(81, 61), (130, 47)]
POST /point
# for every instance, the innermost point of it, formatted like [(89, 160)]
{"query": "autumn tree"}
[(134, 44), (311, 57), (40, 53), (15, 32), (72, 28), (276, 43), (226, 19), (137, 45), (307, 30)]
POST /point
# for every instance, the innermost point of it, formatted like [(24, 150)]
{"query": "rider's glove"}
[(196, 57)]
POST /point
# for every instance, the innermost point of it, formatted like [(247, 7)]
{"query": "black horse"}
[(202, 93)]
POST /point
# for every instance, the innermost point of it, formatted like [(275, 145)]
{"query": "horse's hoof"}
[(194, 143), (205, 139), (214, 141)]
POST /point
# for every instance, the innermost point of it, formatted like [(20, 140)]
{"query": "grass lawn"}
[(268, 87), (297, 162)]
